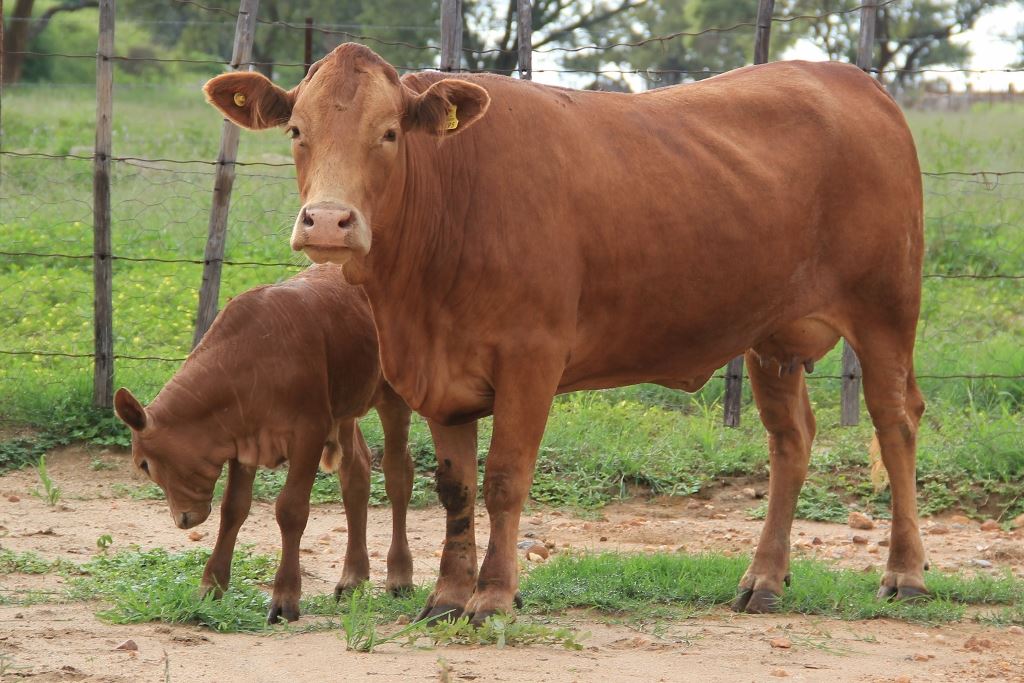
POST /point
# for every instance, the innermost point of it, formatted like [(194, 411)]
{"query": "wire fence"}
[(161, 201)]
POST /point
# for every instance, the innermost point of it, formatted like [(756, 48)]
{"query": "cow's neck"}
[(413, 268)]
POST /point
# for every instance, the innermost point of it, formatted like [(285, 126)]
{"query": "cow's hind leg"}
[(456, 488), (896, 405), (234, 508), (786, 413), (354, 474), (398, 476)]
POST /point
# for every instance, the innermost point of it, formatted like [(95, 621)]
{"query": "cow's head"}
[(182, 462), (348, 121)]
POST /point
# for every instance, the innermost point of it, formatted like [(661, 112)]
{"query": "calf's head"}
[(182, 461), (348, 121)]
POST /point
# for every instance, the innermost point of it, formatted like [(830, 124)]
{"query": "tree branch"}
[(586, 21), (45, 17)]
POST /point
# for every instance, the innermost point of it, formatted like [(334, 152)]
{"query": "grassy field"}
[(599, 446)]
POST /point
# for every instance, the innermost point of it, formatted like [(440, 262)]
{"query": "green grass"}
[(599, 446), (153, 585)]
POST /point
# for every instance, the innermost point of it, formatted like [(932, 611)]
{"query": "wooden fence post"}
[(102, 266), (849, 397), (524, 33), (734, 370), (308, 54), (451, 35), (223, 182)]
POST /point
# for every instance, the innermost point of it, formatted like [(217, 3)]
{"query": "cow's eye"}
[(390, 136), (144, 466), (293, 133)]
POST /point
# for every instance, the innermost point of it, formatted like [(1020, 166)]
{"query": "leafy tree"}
[(23, 27), (909, 34)]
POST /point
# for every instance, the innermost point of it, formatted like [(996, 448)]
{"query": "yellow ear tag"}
[(453, 121), (239, 99)]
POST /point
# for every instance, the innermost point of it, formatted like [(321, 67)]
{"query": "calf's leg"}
[(292, 509), (786, 414), (398, 476), (234, 508), (456, 488), (354, 474)]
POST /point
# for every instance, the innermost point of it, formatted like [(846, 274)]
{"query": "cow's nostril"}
[(307, 218), (346, 220)]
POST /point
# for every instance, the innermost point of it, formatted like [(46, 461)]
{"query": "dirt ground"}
[(68, 643)]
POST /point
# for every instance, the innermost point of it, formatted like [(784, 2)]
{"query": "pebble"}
[(402, 619), (128, 645), (340, 529), (990, 525), (1018, 522), (750, 493), (984, 564), (873, 549), (196, 535), (884, 542), (537, 553), (13, 498), (781, 643), (860, 540), (902, 679), (976, 644), (1016, 630), (858, 520), (816, 541), (779, 673), (939, 530), (603, 539), (919, 657)]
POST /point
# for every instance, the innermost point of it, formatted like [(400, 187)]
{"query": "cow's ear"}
[(249, 99), (129, 409), (447, 107)]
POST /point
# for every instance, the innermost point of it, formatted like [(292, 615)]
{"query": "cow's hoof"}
[(756, 601), (903, 593), (403, 590), (215, 592), (518, 600), (477, 619), (433, 615), (289, 612)]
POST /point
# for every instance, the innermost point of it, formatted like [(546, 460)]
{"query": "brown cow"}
[(518, 240), (276, 380)]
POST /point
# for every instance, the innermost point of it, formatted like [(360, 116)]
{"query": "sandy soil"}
[(68, 643)]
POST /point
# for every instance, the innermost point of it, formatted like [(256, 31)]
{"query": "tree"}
[(909, 34), (21, 29)]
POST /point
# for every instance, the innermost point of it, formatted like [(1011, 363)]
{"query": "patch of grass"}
[(12, 562), (500, 631), (816, 502), (618, 583), (148, 491), (51, 492)]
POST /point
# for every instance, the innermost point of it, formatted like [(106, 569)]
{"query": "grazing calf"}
[(282, 375)]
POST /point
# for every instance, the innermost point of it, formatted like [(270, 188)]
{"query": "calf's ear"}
[(249, 99), (446, 108), (129, 409)]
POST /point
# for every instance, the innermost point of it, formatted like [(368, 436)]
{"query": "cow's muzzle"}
[(191, 518), (329, 231)]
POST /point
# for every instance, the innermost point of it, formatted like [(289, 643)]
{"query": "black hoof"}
[(517, 599), (401, 591), (742, 598), (278, 611), (756, 602), (477, 619), (433, 615), (787, 579), (912, 594)]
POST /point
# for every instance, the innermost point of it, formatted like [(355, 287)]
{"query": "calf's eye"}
[(390, 136), (293, 133)]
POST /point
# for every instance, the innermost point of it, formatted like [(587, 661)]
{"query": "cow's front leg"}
[(521, 408), (234, 508), (292, 509), (456, 488)]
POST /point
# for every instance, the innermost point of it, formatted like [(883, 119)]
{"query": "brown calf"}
[(275, 380)]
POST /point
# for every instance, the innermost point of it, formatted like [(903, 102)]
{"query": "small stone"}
[(719, 515), (693, 505), (902, 679), (990, 525), (402, 620), (750, 493), (603, 539), (530, 534), (919, 657), (858, 520), (1018, 522), (1016, 630), (13, 498), (537, 553), (816, 541), (976, 644), (781, 643), (984, 564), (860, 540), (884, 542), (779, 673), (938, 530), (196, 535), (960, 519), (340, 529), (128, 645), (873, 549)]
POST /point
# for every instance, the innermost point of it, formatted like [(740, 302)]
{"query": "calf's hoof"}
[(290, 612), (435, 614), (207, 589), (346, 586), (401, 590), (756, 601)]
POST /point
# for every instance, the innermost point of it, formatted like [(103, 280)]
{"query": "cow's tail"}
[(330, 459), (879, 477)]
